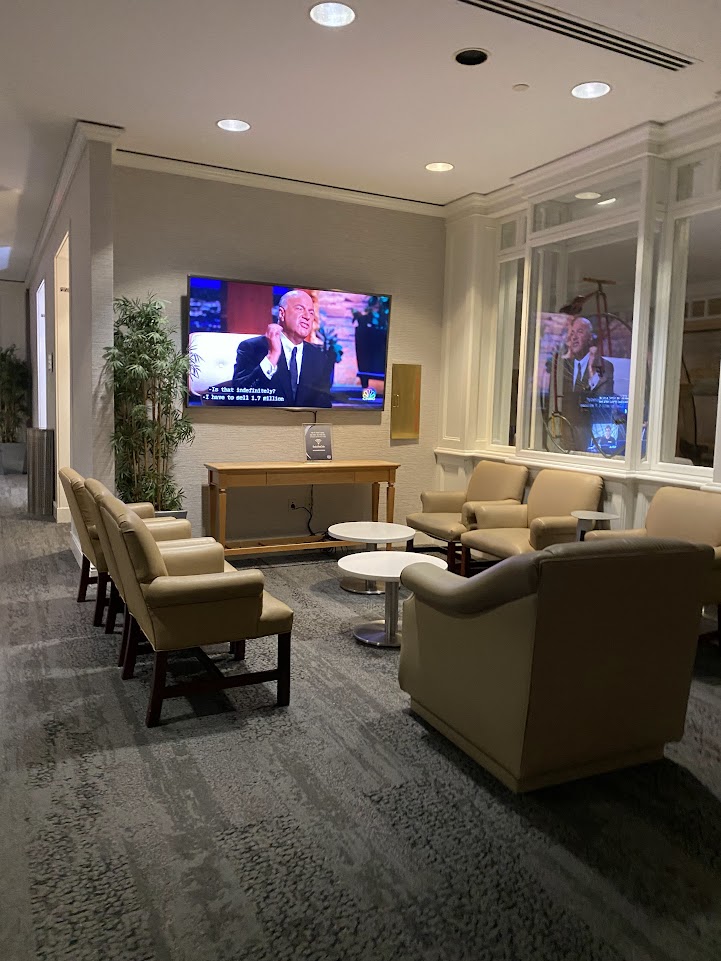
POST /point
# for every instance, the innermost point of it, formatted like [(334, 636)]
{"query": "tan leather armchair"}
[(445, 515), (504, 530), (689, 515), (95, 492), (84, 520), (187, 598), (515, 667)]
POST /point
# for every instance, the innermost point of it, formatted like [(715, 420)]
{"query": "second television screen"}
[(267, 345)]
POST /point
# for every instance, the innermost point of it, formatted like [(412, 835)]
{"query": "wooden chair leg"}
[(465, 561), (157, 690), (237, 649), (84, 579), (131, 650), (451, 556), (127, 624), (100, 600), (115, 606), (284, 669)]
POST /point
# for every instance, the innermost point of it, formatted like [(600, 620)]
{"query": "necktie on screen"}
[(294, 371), (577, 373)]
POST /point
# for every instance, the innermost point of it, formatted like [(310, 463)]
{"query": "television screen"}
[(268, 345)]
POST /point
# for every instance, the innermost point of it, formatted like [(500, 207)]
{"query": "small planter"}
[(181, 515), (12, 459)]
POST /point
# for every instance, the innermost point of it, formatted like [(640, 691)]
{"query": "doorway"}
[(41, 379), (62, 372)]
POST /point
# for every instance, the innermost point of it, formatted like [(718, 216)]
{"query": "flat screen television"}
[(273, 345)]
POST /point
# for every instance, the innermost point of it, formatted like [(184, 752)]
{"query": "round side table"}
[(386, 566), (587, 520), (371, 533)]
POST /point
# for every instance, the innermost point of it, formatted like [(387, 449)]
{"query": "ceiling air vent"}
[(553, 20)]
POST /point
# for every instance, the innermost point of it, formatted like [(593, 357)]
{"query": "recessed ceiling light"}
[(606, 203), (588, 195), (234, 126), (520, 87), (591, 90), (439, 168), (332, 14)]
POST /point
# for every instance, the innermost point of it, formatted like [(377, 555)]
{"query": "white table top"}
[(385, 565), (594, 516), (371, 532)]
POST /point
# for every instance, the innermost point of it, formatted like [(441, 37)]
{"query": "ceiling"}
[(364, 107)]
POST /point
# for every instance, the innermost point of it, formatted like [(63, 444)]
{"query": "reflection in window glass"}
[(508, 234), (580, 333), (510, 307), (696, 279)]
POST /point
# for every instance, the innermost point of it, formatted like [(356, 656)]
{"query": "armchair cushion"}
[(446, 527), (499, 541), (606, 535), (442, 502), (468, 514), (552, 530)]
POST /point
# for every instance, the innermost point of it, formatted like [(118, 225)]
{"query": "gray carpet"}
[(339, 828)]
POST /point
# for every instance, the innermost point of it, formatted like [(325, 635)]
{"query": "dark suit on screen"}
[(577, 404), (313, 382)]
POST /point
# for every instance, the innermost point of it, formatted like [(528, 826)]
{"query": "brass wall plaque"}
[(405, 401)]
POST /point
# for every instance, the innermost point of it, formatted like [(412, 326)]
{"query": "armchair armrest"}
[(169, 529), (459, 596), (187, 589), (603, 535), (143, 509), (195, 559), (468, 513), (489, 514), (442, 502), (552, 530)]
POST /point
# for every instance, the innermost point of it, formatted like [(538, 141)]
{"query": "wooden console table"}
[(286, 474)]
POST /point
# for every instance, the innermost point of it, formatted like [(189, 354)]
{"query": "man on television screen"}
[(299, 372), (586, 374)]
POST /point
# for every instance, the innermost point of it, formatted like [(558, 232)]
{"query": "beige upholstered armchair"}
[(96, 492), (530, 672), (504, 530), (445, 515), (84, 519), (190, 597), (689, 515)]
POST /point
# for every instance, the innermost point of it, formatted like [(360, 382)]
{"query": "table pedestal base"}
[(382, 633), (356, 585)]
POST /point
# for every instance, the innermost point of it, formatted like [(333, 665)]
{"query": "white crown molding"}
[(184, 168), (693, 131), (84, 133)]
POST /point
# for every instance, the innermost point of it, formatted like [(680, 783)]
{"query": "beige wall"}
[(85, 214), (12, 315), (168, 226)]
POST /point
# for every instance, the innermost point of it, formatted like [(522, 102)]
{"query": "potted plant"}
[(14, 395), (371, 334), (149, 379), (328, 339)]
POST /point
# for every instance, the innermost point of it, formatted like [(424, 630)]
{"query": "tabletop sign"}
[(318, 441)]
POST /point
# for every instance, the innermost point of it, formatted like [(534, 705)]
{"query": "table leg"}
[(375, 499), (382, 633), (390, 502), (222, 507), (212, 510), (358, 585)]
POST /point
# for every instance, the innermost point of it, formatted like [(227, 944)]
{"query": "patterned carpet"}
[(339, 828)]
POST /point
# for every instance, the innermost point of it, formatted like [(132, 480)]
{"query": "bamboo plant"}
[(149, 378), (14, 394)]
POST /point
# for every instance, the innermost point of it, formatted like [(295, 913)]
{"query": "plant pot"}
[(182, 515), (12, 459), (370, 350)]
